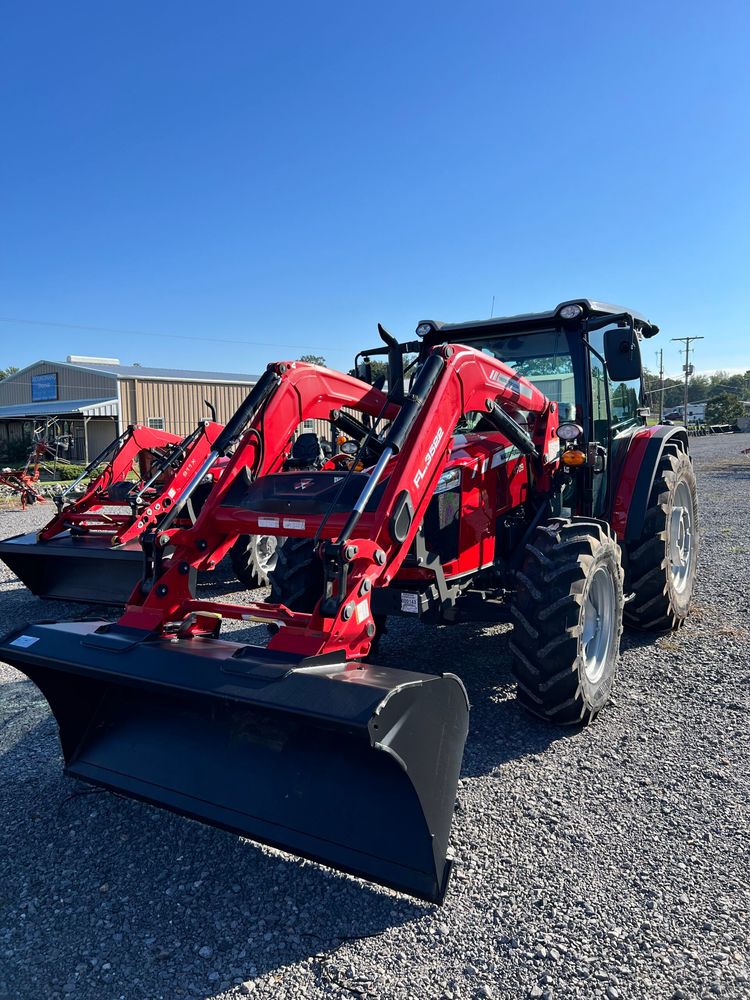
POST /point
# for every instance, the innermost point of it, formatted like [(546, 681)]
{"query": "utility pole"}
[(688, 369), (661, 386)]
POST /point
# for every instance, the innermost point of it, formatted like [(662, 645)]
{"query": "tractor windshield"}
[(543, 357)]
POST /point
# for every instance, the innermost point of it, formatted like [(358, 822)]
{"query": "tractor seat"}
[(306, 452)]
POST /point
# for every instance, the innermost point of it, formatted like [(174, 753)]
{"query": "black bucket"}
[(68, 568), (354, 768)]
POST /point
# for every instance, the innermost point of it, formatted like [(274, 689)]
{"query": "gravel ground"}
[(606, 863)]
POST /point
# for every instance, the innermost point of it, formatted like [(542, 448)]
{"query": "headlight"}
[(448, 481), (569, 431), (571, 312), (423, 329), (350, 447)]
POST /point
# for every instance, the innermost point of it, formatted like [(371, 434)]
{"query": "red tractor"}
[(90, 549), (509, 465)]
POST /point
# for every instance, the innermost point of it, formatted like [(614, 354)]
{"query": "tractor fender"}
[(637, 478)]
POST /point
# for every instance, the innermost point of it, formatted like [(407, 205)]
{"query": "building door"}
[(78, 449)]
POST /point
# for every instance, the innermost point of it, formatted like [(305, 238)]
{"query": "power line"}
[(168, 336)]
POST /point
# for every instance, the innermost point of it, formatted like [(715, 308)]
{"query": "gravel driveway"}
[(606, 863)]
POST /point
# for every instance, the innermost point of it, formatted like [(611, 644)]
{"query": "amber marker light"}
[(573, 457)]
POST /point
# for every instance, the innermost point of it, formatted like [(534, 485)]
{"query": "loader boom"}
[(90, 549), (362, 550), (163, 462)]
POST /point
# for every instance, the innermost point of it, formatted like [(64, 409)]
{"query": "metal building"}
[(91, 400)]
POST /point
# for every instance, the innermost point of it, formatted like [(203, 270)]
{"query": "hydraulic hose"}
[(512, 430), (413, 402)]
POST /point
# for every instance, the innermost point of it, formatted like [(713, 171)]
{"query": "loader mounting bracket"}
[(336, 570)]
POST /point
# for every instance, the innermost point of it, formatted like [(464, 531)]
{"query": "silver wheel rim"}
[(681, 546), (598, 624), (266, 552)]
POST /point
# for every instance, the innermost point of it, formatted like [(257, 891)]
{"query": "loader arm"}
[(160, 483), (119, 457), (366, 548)]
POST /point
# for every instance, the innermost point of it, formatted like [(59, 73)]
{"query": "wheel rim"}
[(598, 624), (681, 546), (266, 547)]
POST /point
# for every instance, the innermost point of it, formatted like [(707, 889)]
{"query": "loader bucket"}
[(354, 768), (67, 568)]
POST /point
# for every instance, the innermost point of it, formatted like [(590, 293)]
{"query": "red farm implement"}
[(90, 549), (513, 471)]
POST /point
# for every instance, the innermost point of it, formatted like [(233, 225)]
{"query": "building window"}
[(156, 423)]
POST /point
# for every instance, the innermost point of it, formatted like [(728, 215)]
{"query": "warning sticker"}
[(294, 523), (410, 603), (362, 611), (24, 641), (268, 522)]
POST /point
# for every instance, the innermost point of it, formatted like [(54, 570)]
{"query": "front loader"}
[(472, 491), (90, 550)]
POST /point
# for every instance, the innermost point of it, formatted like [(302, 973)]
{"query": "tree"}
[(313, 359), (725, 408), (5, 372)]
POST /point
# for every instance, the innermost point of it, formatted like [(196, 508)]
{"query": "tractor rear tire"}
[(662, 562), (253, 557), (568, 612), (297, 577)]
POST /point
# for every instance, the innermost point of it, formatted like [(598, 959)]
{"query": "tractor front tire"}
[(568, 611), (297, 582), (253, 558), (661, 563), (297, 577)]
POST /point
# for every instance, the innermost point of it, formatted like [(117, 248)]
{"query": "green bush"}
[(74, 471), (723, 409)]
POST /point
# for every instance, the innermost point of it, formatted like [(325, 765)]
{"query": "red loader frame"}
[(367, 552), (165, 464)]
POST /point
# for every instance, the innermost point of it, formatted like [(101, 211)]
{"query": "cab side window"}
[(599, 400), (624, 397)]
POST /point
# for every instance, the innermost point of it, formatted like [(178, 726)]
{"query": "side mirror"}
[(622, 354)]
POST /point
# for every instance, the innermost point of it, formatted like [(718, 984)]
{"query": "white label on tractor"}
[(294, 523), (410, 603), (362, 611), (268, 522), (554, 450), (24, 641), (427, 460), (504, 455), (172, 492)]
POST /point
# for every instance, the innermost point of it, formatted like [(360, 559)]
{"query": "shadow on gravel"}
[(108, 897), (499, 729), (735, 473)]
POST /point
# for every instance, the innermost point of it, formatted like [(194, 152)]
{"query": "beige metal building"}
[(89, 401)]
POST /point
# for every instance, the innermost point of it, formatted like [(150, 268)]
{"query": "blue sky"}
[(288, 175)]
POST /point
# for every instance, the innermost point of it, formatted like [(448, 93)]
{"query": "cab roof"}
[(589, 307)]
